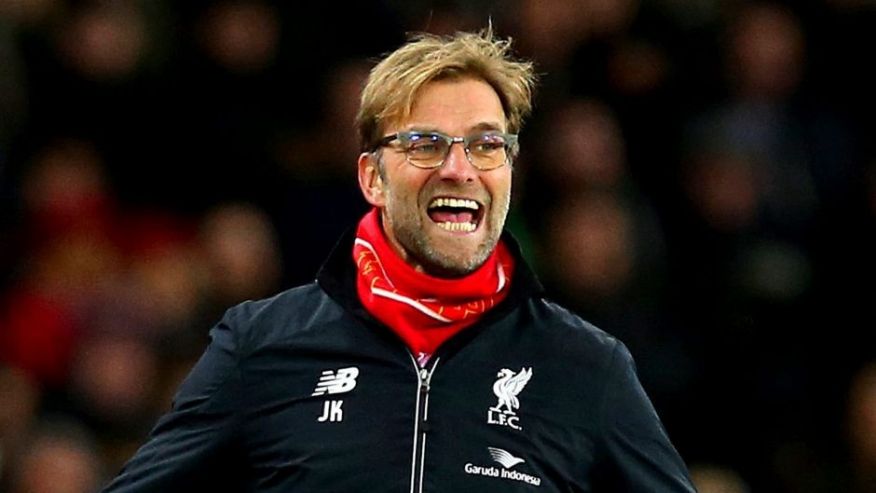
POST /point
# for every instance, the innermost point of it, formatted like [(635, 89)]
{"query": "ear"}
[(369, 180)]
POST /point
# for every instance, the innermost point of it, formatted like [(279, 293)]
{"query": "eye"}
[(424, 144), (487, 143)]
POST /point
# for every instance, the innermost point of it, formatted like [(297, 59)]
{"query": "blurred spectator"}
[(320, 174), (325, 151), (113, 378), (449, 16), (761, 169), (71, 255), (113, 388), (638, 67), (58, 458), (65, 191), (766, 53), (241, 253), (95, 71), (241, 36), (726, 190), (229, 101), (715, 479), (729, 191), (104, 41), (26, 11), (551, 31), (18, 410), (862, 429), (592, 247), (583, 148), (166, 273), (606, 261), (37, 335), (578, 172), (602, 249)]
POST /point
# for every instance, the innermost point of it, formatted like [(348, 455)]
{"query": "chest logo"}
[(504, 457), (336, 382), (508, 461), (506, 388), (331, 382)]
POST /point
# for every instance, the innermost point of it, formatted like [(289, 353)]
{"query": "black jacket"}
[(306, 391)]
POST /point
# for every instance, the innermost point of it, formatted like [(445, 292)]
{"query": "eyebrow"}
[(483, 126), (487, 126)]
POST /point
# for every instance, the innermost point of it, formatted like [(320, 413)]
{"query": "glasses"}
[(428, 150)]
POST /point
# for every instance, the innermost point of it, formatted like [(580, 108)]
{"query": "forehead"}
[(455, 106)]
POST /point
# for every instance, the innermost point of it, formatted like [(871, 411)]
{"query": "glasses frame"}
[(407, 137)]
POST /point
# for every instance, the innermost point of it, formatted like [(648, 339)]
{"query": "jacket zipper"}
[(421, 425)]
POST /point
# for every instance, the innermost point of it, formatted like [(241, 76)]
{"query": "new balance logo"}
[(336, 382)]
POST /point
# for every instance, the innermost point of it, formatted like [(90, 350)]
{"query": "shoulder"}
[(571, 338), (298, 310), (555, 320)]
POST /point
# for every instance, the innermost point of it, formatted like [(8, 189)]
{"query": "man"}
[(423, 358)]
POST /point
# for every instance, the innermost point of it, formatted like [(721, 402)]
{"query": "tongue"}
[(453, 217)]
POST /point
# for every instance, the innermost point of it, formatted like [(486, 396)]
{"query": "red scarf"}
[(423, 310)]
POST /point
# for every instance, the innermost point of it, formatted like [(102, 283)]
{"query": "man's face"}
[(429, 233)]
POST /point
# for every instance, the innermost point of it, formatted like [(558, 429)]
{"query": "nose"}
[(456, 166)]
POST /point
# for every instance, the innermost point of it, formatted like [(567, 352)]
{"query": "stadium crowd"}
[(698, 179)]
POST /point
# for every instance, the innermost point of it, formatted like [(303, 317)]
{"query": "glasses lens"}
[(425, 150), (488, 151)]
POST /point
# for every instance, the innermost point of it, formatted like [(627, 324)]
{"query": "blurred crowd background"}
[(699, 179)]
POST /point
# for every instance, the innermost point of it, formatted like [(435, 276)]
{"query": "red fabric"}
[(38, 335), (424, 310)]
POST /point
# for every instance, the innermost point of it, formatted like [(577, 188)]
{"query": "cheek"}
[(403, 193), (500, 188)]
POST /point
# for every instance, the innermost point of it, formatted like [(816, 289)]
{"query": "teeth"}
[(458, 203), (465, 227)]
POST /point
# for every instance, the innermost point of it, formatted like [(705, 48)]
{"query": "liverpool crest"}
[(506, 388)]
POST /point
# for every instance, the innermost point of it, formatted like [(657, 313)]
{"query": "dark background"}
[(698, 178)]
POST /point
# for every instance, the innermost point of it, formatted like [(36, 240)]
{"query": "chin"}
[(449, 270), (455, 261)]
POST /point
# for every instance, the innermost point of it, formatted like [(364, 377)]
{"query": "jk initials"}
[(332, 412)]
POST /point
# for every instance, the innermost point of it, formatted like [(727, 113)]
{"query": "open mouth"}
[(453, 214)]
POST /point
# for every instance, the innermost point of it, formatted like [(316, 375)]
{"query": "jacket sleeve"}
[(637, 454), (188, 446)]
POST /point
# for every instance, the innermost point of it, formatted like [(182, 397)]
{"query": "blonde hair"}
[(393, 83)]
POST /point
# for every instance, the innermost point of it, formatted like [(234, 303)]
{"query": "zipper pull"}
[(424, 391)]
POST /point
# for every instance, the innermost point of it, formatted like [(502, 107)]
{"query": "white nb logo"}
[(339, 382)]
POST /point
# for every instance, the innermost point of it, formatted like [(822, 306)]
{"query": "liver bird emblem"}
[(508, 386)]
